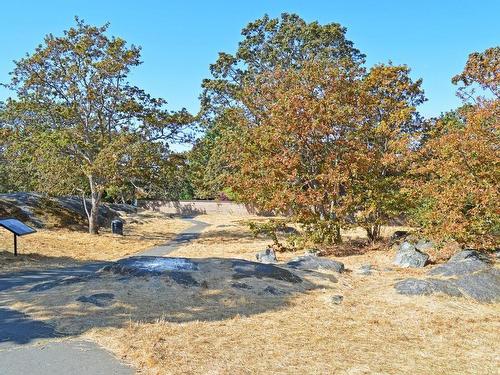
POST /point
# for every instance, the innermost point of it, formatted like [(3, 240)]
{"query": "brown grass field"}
[(373, 331)]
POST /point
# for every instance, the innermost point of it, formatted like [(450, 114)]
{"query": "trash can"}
[(117, 227)]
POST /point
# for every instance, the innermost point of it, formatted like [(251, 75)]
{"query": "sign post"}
[(16, 227)]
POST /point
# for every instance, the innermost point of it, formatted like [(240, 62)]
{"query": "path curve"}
[(183, 238), (30, 346)]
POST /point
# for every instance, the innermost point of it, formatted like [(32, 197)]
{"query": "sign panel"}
[(17, 227)]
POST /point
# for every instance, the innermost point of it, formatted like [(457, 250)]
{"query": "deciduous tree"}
[(268, 44), (84, 119), (323, 143), (457, 173)]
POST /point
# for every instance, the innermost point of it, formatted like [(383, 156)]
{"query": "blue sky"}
[(180, 39)]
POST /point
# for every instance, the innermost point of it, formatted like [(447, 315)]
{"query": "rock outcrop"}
[(468, 273)]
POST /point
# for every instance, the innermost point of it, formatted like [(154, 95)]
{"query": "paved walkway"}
[(29, 346), (181, 239)]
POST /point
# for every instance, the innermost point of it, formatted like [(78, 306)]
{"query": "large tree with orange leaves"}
[(318, 143), (457, 173)]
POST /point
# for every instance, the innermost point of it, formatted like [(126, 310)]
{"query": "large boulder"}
[(483, 286), (266, 256), (409, 256), (467, 255), (65, 211), (244, 269), (312, 262)]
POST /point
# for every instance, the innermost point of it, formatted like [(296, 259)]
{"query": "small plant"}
[(270, 229)]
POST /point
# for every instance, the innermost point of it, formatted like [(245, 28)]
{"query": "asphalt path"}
[(30, 346)]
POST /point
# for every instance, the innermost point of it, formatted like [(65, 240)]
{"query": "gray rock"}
[(483, 286), (469, 273), (28, 206), (469, 255), (245, 269), (241, 286), (311, 262), (99, 299), (424, 245), (459, 268), (409, 256), (414, 286), (272, 290), (463, 263), (150, 266), (336, 299), (407, 246), (266, 256)]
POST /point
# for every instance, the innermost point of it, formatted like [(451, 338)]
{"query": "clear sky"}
[(181, 38)]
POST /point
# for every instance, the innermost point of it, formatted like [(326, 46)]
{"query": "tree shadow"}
[(19, 328), (73, 300)]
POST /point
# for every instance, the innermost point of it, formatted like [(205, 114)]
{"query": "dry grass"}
[(374, 330), (214, 331), (60, 246)]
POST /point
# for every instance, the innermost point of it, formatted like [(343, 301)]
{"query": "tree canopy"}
[(293, 122), (76, 117), (456, 173), (268, 44)]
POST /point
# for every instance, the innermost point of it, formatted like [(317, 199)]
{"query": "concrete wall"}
[(195, 207)]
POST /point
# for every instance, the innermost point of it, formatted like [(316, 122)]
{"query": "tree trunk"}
[(93, 214), (338, 237), (373, 232)]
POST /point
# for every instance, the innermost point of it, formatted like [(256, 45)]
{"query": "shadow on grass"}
[(73, 300), (19, 328)]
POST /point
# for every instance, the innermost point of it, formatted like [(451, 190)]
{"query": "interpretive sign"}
[(18, 228)]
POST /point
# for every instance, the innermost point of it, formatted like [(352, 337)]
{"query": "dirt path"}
[(28, 345)]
